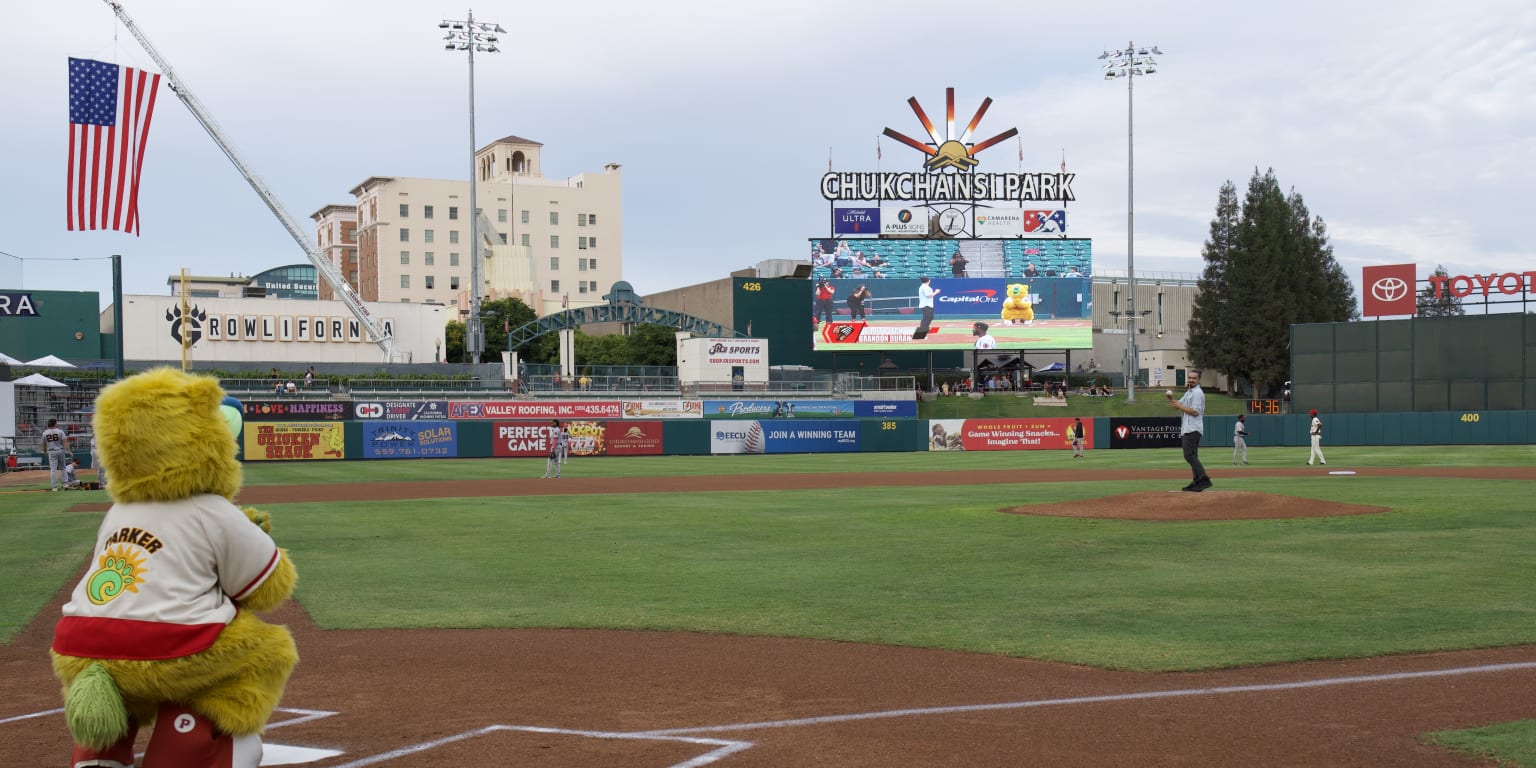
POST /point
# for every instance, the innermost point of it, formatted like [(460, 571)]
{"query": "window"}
[(405, 235), (453, 259), (591, 242), (453, 213), (592, 219), (429, 258), (525, 217), (554, 241), (554, 218), (453, 236), (526, 244), (405, 210), (405, 257), (431, 283), (581, 219), (554, 286), (453, 283), (581, 265), (592, 264), (352, 278), (593, 285), (351, 256), (405, 281), (428, 235), (503, 237), (554, 262), (501, 215), (581, 287), (426, 211), (581, 244)]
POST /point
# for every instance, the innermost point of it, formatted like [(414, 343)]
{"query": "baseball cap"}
[(1313, 412)]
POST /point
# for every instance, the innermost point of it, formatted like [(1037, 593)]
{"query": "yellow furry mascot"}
[(1016, 308), (161, 627)]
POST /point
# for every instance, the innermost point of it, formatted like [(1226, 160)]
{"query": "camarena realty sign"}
[(954, 155)]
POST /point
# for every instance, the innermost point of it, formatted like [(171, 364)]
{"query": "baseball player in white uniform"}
[(56, 445), (559, 443), (1240, 439), (101, 472), (1317, 440)]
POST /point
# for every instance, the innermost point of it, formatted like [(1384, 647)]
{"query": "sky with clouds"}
[(1408, 127)]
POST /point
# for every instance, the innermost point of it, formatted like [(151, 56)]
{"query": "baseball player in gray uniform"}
[(56, 445), (559, 440)]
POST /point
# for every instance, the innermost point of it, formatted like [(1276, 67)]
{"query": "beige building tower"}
[(553, 243)]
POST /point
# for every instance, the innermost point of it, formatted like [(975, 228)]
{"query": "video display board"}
[(882, 294)]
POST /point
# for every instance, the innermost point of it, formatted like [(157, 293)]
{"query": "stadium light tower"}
[(1129, 63), (470, 35)]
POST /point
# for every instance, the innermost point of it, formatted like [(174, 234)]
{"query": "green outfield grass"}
[(1448, 568), (1509, 745)]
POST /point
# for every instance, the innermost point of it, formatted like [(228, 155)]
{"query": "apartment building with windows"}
[(336, 237), (552, 243)]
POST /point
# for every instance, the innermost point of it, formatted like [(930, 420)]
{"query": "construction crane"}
[(179, 87)]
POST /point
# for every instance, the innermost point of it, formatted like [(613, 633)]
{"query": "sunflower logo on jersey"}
[(119, 571)]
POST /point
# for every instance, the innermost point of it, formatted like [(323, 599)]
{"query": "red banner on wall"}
[(632, 438), (1004, 434), (1389, 290)]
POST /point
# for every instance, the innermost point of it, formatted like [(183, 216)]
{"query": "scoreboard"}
[(1265, 406)]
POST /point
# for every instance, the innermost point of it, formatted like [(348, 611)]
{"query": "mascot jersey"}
[(152, 592)]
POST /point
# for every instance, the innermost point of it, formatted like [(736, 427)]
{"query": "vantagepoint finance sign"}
[(956, 154)]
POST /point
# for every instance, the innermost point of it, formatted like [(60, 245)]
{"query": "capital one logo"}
[(1389, 290)]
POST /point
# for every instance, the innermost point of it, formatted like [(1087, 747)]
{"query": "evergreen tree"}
[(1446, 305), (1268, 266), (1210, 305)]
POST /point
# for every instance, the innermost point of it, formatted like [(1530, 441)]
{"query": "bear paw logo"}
[(186, 330), (119, 573)]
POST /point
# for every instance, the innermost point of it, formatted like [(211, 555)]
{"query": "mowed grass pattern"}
[(1449, 567)]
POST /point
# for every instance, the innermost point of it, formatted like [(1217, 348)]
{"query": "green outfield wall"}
[(1421, 364)]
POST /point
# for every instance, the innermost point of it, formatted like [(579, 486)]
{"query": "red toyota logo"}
[(1388, 290)]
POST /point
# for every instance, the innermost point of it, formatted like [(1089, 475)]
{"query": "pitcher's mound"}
[(1213, 504)]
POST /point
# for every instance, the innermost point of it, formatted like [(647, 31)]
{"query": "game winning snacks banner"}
[(289, 441), (1003, 434)]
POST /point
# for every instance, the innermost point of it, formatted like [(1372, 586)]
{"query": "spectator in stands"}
[(837, 273), (309, 377), (291, 388), (876, 260), (1030, 271), (1072, 272), (957, 264)]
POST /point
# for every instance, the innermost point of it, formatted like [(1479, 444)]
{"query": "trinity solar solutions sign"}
[(949, 171)]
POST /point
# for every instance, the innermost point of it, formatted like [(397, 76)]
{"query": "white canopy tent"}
[(8, 360), (38, 380), (50, 361)]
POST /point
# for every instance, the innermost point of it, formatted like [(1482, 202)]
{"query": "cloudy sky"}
[(1407, 127)]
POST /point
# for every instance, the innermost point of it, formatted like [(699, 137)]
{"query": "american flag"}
[(109, 112)]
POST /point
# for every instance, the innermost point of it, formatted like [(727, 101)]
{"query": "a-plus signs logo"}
[(1389, 289)]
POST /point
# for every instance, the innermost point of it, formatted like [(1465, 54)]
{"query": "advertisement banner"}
[(521, 409), (903, 220), (521, 438), (863, 222), (1060, 307), (282, 410), (778, 409), (999, 222), (1389, 290), (587, 438), (736, 352), (400, 410), (783, 436), (411, 440), (632, 438), (288, 441), (1146, 432), (885, 409), (1004, 434), (663, 409)]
